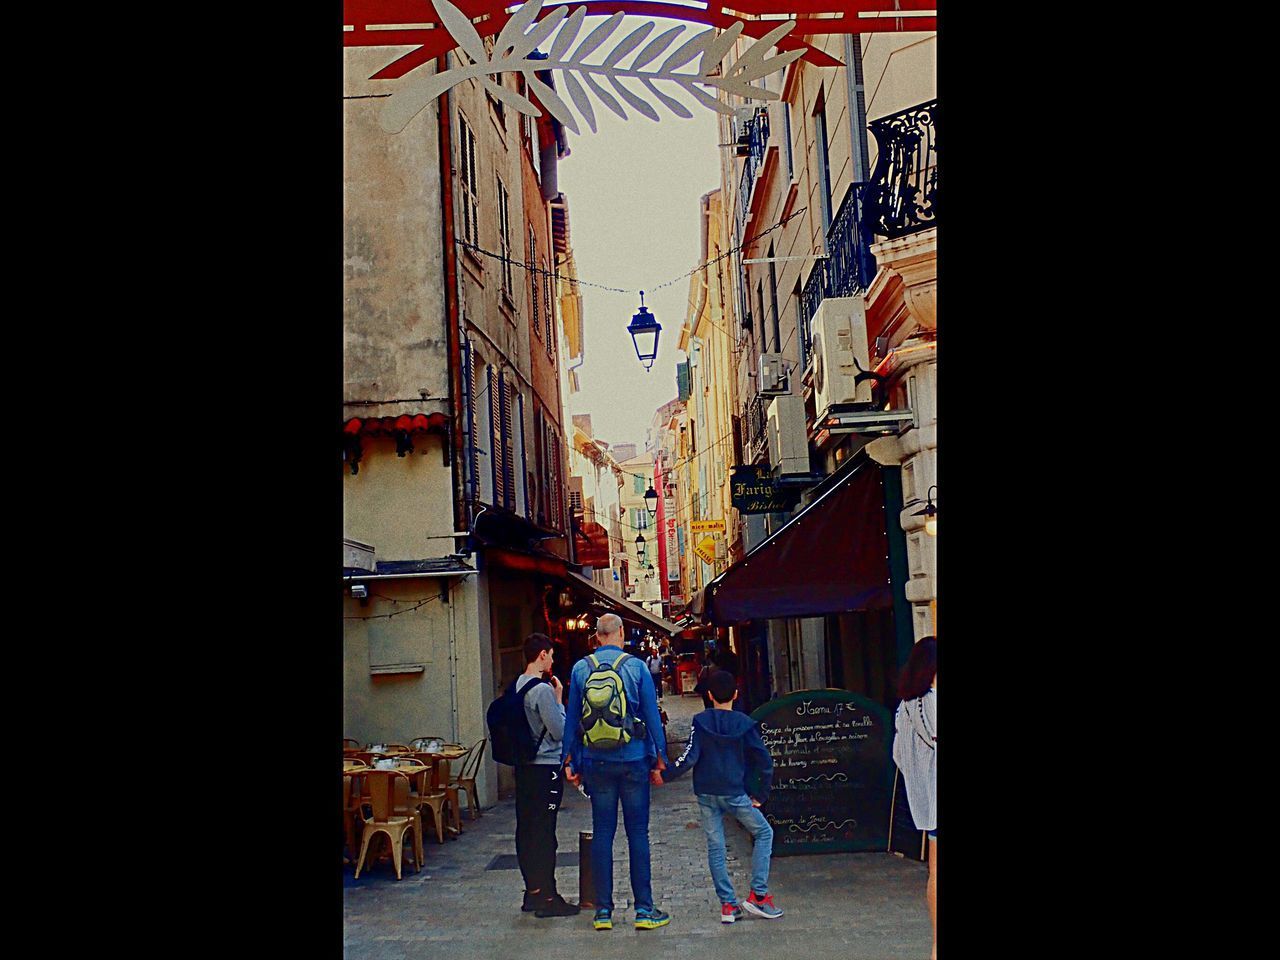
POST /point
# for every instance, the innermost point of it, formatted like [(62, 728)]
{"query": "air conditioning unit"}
[(773, 375), (839, 339), (788, 438)]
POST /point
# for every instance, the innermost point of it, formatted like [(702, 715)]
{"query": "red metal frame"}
[(431, 43)]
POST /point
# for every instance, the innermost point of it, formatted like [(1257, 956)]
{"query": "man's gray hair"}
[(608, 625)]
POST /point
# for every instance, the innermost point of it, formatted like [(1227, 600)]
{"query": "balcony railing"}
[(756, 134), (849, 267), (756, 415), (902, 196)]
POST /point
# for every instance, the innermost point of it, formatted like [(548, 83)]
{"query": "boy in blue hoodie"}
[(724, 748)]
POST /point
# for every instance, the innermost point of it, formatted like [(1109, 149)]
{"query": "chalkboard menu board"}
[(832, 771)]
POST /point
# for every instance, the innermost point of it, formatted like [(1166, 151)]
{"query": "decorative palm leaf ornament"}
[(512, 49)]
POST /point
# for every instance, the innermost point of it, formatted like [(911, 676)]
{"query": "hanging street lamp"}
[(930, 512), (644, 329), (640, 541), (651, 500)]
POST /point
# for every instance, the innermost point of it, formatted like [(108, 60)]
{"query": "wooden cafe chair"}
[(393, 815), (466, 778), (351, 817), (430, 795)]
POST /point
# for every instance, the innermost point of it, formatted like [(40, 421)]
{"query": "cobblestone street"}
[(863, 905)]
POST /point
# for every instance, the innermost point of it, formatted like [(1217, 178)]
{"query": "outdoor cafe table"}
[(438, 760)]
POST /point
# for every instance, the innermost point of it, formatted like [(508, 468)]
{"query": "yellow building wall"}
[(401, 506)]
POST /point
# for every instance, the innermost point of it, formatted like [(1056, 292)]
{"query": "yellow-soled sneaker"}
[(651, 919), (603, 920)]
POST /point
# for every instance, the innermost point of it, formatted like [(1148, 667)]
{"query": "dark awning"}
[(831, 557), (631, 612)]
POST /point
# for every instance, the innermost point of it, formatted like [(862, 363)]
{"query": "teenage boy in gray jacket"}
[(540, 784)]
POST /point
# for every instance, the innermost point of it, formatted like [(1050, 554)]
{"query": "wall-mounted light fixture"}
[(930, 512)]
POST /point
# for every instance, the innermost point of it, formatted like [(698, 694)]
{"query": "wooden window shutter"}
[(524, 460), (532, 261), (551, 325), (556, 490), (539, 483), (508, 447), (495, 435), (473, 447)]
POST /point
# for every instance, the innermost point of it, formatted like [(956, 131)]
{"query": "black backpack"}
[(513, 741)]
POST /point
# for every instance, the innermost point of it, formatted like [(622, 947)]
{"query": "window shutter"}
[(508, 448), (553, 478), (533, 280), (523, 505), (539, 476), (473, 448), (551, 325), (495, 435)]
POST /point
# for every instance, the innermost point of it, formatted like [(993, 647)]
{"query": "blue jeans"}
[(608, 781), (713, 810)]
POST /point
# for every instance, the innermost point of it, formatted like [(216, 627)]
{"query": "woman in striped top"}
[(915, 751)]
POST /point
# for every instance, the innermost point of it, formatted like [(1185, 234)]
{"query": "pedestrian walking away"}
[(725, 752), (614, 744), (915, 751), (539, 777), (655, 671)]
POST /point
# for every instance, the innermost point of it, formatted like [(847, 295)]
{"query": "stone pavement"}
[(857, 906)]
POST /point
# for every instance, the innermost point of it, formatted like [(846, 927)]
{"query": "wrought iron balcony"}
[(902, 196), (848, 268), (756, 415), (755, 133)]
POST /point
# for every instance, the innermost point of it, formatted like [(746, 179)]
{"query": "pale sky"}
[(633, 190)]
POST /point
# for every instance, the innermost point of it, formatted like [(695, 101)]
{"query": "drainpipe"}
[(453, 332), (451, 301)]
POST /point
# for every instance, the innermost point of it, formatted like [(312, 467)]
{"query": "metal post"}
[(586, 880)]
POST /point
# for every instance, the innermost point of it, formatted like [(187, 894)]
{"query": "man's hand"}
[(655, 775), (755, 802), (573, 778), (558, 687)]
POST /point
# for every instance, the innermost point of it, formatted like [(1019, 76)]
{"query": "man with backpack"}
[(614, 745), (527, 724)]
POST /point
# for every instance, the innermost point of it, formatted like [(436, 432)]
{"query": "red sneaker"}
[(762, 906), (730, 913)]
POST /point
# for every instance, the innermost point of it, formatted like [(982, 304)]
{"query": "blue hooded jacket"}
[(724, 748)]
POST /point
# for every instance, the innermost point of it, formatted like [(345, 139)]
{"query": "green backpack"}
[(605, 723)]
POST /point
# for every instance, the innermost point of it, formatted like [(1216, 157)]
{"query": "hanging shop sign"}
[(754, 491), (707, 526), (673, 546), (832, 771), (706, 549)]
